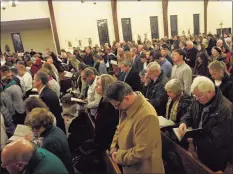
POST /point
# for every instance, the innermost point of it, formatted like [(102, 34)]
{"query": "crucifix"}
[(89, 41), (221, 24)]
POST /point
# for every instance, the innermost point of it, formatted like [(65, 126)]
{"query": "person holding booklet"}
[(211, 112), (178, 101), (41, 121)]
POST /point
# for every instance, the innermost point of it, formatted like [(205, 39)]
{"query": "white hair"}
[(153, 66), (175, 86), (189, 42), (219, 41), (203, 84)]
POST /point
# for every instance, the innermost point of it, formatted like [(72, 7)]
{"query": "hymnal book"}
[(20, 132), (163, 122), (78, 100), (190, 133)]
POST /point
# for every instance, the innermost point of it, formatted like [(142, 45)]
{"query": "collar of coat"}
[(140, 99)]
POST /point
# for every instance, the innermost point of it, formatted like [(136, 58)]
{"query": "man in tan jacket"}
[(136, 145)]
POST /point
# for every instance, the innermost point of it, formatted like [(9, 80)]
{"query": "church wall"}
[(219, 11), (78, 21), (26, 10), (184, 11), (140, 12), (38, 39)]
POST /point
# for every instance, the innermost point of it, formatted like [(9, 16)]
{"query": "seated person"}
[(221, 79), (155, 92), (178, 101), (30, 159), (212, 112), (42, 123)]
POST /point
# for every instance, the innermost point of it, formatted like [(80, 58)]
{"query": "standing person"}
[(54, 140), (181, 70), (50, 98), (132, 145), (131, 77), (88, 59), (201, 67), (191, 54), (211, 112)]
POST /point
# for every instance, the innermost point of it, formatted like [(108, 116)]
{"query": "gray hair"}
[(142, 73), (126, 63), (220, 41), (117, 90), (175, 86), (203, 84), (153, 66), (189, 42), (217, 65), (134, 50), (43, 77), (88, 72), (106, 79)]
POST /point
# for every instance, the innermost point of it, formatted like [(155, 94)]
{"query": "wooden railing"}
[(112, 167), (180, 159)]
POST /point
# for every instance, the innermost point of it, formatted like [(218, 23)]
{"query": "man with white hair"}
[(229, 43), (211, 112), (191, 54), (155, 91), (219, 43)]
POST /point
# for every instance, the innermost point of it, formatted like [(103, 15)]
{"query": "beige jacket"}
[(138, 139)]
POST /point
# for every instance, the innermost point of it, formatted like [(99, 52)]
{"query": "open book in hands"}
[(163, 122), (189, 133), (21, 132), (79, 101)]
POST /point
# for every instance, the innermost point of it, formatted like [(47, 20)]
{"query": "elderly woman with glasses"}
[(178, 101), (54, 139)]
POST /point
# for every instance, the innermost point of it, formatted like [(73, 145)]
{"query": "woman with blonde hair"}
[(106, 121)]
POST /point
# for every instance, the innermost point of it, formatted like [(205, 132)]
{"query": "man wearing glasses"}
[(137, 142), (211, 112)]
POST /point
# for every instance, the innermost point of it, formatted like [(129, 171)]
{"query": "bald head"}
[(12, 153)]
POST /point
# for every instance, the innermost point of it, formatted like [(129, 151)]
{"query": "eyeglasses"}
[(199, 97)]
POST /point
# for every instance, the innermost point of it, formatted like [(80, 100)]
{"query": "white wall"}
[(184, 11), (140, 12), (219, 11), (26, 10), (38, 39), (78, 21)]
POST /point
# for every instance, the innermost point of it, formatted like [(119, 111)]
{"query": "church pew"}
[(178, 160), (112, 167)]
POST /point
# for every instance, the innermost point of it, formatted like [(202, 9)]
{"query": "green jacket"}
[(44, 162)]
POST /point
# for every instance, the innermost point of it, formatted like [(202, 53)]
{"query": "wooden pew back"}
[(112, 167), (185, 162)]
